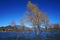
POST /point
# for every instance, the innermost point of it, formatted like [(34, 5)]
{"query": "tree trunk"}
[(38, 30), (35, 31)]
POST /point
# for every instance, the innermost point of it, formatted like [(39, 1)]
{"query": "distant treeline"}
[(14, 29), (9, 28)]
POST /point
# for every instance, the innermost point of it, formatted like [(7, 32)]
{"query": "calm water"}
[(29, 36)]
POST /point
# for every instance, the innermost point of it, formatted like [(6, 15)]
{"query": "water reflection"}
[(29, 36)]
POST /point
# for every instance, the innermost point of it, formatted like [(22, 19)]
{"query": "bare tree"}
[(57, 26), (35, 16), (13, 24), (22, 24)]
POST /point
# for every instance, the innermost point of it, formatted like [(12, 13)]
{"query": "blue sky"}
[(14, 10)]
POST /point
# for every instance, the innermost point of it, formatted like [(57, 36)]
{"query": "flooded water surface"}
[(29, 36)]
